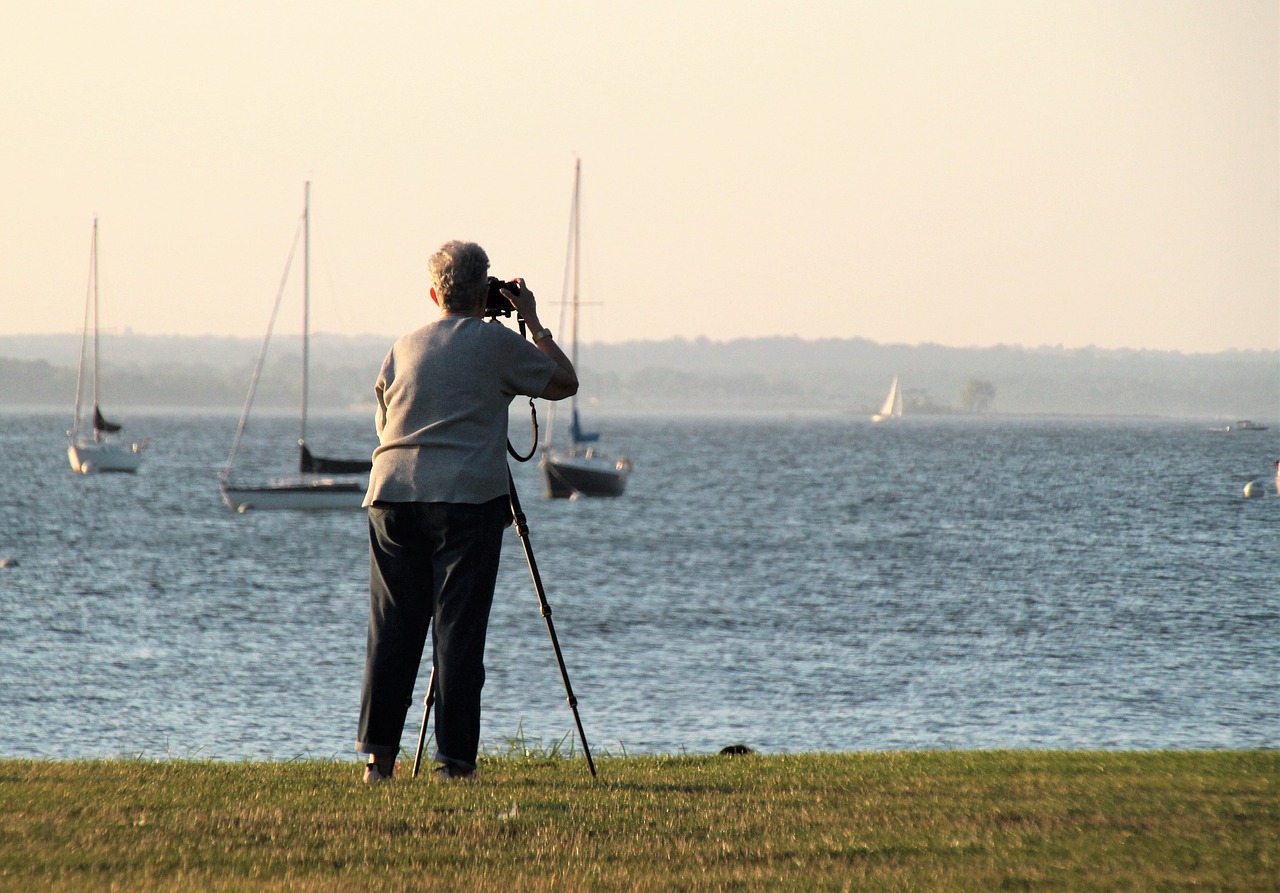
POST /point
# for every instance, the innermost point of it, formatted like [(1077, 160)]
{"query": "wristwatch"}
[(540, 334)]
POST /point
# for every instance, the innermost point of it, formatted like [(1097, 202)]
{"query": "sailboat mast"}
[(577, 230), (84, 331), (306, 308), (95, 327)]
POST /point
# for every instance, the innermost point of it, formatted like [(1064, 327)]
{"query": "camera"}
[(495, 303)]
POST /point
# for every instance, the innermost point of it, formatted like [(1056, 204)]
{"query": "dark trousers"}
[(431, 566)]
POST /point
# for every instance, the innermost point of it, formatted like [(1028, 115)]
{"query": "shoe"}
[(449, 773), (373, 774)]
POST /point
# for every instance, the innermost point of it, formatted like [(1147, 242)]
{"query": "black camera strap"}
[(533, 416), (493, 312)]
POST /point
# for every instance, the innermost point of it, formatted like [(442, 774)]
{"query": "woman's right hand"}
[(524, 302)]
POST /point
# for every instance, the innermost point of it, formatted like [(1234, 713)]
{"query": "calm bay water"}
[(795, 584)]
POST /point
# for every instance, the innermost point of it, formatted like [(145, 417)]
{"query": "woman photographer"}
[(438, 503)]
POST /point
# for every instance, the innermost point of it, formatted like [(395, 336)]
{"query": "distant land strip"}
[(746, 375)]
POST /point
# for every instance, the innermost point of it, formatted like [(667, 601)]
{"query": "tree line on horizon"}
[(771, 374)]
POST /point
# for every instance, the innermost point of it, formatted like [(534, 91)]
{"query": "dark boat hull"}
[(566, 478)]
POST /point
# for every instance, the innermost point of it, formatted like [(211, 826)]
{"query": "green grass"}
[(989, 821)]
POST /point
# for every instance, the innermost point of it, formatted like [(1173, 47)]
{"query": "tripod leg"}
[(422, 732), (522, 528)]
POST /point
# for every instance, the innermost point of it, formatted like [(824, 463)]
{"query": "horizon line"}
[(692, 340)]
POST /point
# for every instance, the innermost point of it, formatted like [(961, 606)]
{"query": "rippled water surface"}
[(792, 584)]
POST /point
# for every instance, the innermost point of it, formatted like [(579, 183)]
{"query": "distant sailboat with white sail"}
[(92, 442), (892, 408)]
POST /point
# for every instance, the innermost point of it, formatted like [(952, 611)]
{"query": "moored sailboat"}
[(314, 487), (581, 469), (93, 444)]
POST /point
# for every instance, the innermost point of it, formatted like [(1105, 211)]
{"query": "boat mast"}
[(89, 302), (95, 327), (577, 230), (306, 308)]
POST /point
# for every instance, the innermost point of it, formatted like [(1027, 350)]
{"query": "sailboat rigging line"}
[(522, 528), (262, 355), (559, 476)]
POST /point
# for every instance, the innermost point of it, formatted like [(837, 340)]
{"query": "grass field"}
[(986, 820)]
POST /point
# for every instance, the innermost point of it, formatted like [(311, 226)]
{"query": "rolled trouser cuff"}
[(377, 750)]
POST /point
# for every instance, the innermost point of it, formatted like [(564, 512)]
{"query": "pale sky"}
[(1067, 172)]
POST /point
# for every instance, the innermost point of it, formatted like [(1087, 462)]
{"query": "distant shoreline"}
[(674, 415), (768, 376)]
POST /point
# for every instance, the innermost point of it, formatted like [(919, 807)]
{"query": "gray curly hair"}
[(460, 275)]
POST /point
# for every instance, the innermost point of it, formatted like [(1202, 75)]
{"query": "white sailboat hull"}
[(89, 457), (323, 494)]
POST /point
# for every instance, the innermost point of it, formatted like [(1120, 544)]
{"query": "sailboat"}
[(313, 488), (581, 469), (892, 408), (92, 442)]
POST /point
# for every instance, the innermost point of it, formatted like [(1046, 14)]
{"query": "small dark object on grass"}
[(734, 749)]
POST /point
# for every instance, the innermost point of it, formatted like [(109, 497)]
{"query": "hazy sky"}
[(966, 173)]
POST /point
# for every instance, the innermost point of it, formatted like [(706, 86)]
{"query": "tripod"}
[(522, 528)]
